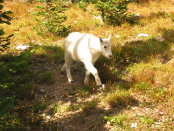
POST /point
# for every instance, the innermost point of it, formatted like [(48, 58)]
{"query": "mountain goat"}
[(85, 48)]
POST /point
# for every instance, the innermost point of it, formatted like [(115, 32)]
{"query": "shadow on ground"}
[(50, 59)]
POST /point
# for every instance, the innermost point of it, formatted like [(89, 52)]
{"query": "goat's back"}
[(80, 46)]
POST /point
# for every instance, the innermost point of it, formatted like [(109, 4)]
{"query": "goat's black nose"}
[(110, 56)]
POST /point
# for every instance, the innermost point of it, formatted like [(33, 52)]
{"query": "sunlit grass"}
[(120, 98), (143, 64)]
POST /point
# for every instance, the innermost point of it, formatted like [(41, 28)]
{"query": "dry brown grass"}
[(152, 74), (22, 22)]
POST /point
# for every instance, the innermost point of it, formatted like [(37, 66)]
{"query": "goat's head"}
[(106, 47)]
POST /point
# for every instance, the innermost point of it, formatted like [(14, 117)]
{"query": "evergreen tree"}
[(52, 18), (4, 18)]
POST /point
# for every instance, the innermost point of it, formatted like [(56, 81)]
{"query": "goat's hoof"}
[(70, 81), (101, 87)]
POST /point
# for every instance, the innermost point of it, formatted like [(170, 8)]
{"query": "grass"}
[(60, 108), (141, 70), (53, 52), (121, 98), (149, 121), (89, 106), (46, 77), (141, 86), (118, 121), (38, 106)]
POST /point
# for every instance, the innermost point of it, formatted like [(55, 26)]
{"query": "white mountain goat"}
[(85, 48)]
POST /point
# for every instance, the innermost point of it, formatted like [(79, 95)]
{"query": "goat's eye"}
[(105, 47)]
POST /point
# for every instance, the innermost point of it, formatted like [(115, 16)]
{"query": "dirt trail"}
[(62, 91)]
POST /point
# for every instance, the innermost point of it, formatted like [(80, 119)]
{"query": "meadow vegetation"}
[(34, 94)]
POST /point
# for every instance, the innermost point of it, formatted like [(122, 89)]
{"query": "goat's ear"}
[(110, 36), (101, 41)]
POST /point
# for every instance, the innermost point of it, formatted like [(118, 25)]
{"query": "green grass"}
[(38, 106), (86, 90), (48, 51), (141, 86), (148, 121), (46, 77), (60, 107), (89, 106), (118, 121), (10, 122), (119, 98)]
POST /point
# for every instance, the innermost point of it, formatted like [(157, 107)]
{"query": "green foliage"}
[(82, 5), (51, 19), (12, 66), (38, 105), (147, 120), (46, 77), (16, 83), (7, 120), (117, 121), (10, 122), (141, 86), (4, 18), (8, 102), (114, 12), (89, 1)]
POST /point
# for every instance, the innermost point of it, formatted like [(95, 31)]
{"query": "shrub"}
[(114, 12), (52, 19), (16, 84)]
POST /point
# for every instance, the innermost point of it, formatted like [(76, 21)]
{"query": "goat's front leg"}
[(86, 81), (70, 80), (91, 69)]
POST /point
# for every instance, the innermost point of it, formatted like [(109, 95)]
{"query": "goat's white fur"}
[(85, 48)]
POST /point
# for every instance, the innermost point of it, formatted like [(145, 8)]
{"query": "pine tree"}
[(52, 19), (4, 18)]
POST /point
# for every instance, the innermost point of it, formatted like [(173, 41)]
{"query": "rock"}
[(22, 47), (99, 18), (117, 36), (47, 118), (42, 90), (134, 125), (143, 35)]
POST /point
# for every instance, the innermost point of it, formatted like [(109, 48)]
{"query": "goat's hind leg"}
[(63, 68), (67, 66)]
